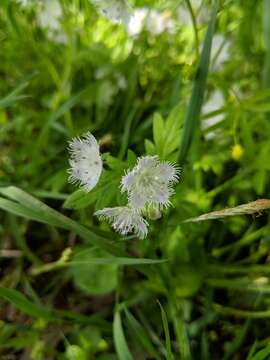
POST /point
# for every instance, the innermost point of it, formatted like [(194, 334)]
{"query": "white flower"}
[(137, 21), (157, 23), (49, 18), (150, 182), (117, 11), (50, 15), (85, 161), (124, 219)]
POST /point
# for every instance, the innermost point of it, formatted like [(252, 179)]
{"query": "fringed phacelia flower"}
[(85, 161), (150, 182), (125, 220)]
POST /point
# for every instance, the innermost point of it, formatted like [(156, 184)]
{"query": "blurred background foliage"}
[(64, 70)]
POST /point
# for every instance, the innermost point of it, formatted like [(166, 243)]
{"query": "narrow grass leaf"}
[(167, 332), (25, 305), (27, 206), (191, 122), (141, 335), (119, 339), (232, 347)]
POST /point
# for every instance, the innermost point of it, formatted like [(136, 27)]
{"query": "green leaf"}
[(95, 280), (166, 134), (172, 131), (149, 147), (191, 122), (25, 305), (119, 339)]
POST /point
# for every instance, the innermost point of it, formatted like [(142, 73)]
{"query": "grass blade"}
[(25, 305), (119, 339), (196, 100), (167, 333), (29, 207), (141, 335)]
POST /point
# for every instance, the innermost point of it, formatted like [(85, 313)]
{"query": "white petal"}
[(146, 162), (168, 172), (127, 181), (124, 220)]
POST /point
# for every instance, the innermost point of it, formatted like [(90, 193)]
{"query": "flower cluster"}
[(148, 185)]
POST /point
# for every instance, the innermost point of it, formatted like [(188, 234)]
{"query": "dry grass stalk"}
[(253, 207)]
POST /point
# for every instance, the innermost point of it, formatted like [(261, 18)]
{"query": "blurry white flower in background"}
[(85, 162), (157, 23), (49, 18), (125, 220), (214, 103), (151, 20), (137, 21), (117, 11), (150, 182), (50, 14)]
